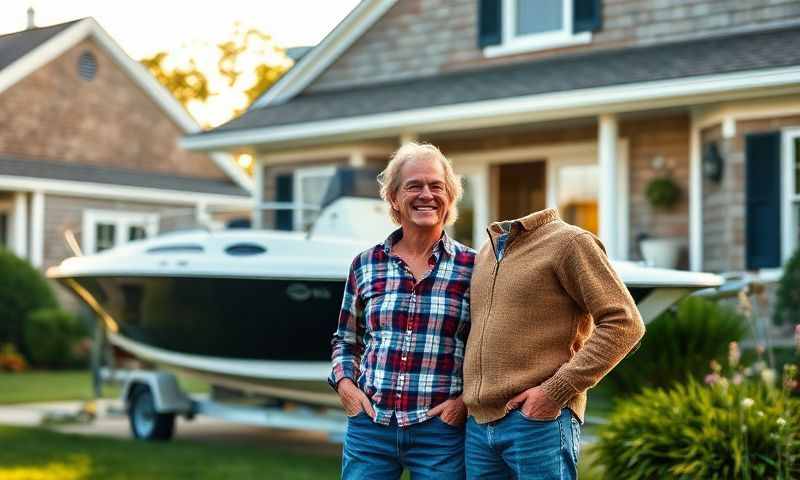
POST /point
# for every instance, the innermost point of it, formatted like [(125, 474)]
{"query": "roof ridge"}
[(39, 29)]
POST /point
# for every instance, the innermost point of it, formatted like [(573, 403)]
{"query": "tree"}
[(186, 84), (246, 65)]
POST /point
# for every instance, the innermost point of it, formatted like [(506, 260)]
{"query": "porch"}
[(595, 170)]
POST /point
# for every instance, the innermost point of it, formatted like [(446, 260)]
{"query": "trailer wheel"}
[(146, 423)]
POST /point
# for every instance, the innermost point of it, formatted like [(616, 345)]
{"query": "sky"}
[(144, 27)]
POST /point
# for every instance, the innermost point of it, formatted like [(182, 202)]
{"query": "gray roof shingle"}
[(47, 169), (749, 51), (14, 46)]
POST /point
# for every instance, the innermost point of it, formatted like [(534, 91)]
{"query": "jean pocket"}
[(576, 438), (439, 420), (357, 415)]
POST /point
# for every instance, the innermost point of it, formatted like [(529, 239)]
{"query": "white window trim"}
[(121, 221), (299, 175), (789, 198), (513, 43)]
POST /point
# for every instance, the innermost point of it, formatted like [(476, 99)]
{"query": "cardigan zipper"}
[(486, 318)]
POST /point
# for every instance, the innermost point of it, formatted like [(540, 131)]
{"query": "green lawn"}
[(37, 454), (51, 386)]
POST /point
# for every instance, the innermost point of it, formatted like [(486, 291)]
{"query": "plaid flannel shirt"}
[(403, 343)]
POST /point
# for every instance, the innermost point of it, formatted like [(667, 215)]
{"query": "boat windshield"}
[(351, 182)]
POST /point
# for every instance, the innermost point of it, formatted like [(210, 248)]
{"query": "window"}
[(105, 236), (104, 229), (463, 229), (577, 195), (528, 25), (6, 209), (3, 229), (310, 185)]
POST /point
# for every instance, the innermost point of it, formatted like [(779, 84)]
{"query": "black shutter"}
[(587, 15), (763, 200), (490, 22), (284, 219)]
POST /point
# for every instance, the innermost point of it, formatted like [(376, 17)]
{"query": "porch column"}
[(37, 229), (258, 194), (695, 197), (20, 237), (607, 150)]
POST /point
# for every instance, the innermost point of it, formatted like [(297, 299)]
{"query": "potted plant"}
[(662, 194)]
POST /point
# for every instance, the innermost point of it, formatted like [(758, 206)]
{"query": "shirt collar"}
[(528, 223), (444, 242)]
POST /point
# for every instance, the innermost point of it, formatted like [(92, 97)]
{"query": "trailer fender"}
[(167, 394)]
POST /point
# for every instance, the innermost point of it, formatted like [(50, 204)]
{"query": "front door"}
[(522, 189)]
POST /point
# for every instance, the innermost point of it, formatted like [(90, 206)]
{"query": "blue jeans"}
[(518, 447), (430, 450)]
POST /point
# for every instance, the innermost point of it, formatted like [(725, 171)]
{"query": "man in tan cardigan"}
[(550, 318)]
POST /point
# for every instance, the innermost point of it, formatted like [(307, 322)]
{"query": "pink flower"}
[(737, 379), (712, 379), (734, 354), (797, 337)]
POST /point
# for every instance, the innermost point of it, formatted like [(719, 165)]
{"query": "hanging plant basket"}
[(663, 192)]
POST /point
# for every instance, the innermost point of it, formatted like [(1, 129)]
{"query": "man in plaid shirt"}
[(399, 346)]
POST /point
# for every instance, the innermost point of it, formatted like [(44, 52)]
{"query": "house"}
[(574, 104), (89, 145)]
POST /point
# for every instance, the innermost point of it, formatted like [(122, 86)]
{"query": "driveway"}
[(111, 421)]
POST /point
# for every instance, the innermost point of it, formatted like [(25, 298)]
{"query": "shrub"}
[(787, 307), (22, 290), (695, 431), (52, 336), (11, 360), (678, 345)]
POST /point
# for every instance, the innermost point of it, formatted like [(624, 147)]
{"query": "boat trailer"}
[(153, 399)]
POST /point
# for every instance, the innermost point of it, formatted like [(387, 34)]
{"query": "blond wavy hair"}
[(390, 181)]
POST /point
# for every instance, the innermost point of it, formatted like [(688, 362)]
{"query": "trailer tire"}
[(146, 423)]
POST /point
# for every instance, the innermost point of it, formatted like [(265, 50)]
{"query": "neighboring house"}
[(575, 104), (89, 144)]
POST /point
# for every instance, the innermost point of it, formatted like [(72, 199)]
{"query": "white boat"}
[(254, 310)]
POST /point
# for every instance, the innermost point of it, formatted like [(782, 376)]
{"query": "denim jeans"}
[(518, 447), (430, 450)]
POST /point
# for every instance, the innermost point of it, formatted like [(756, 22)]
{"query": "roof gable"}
[(313, 63), (29, 50)]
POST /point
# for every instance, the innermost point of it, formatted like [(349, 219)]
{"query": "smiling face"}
[(422, 200)]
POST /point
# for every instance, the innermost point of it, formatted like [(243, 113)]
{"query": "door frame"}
[(476, 167)]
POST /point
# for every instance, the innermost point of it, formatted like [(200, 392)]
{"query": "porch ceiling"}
[(688, 59)]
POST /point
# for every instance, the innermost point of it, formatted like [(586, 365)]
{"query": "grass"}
[(37, 454), (61, 385)]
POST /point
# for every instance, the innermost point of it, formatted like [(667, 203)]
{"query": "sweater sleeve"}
[(587, 276)]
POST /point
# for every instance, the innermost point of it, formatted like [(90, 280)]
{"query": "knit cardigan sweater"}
[(552, 312)]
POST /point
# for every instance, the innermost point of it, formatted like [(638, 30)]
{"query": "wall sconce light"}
[(712, 162)]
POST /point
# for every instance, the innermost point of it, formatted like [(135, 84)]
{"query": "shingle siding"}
[(425, 37), (54, 114)]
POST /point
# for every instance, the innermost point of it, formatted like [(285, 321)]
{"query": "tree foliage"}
[(247, 63), (186, 83)]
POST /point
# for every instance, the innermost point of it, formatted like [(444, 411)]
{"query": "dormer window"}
[(508, 27)]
